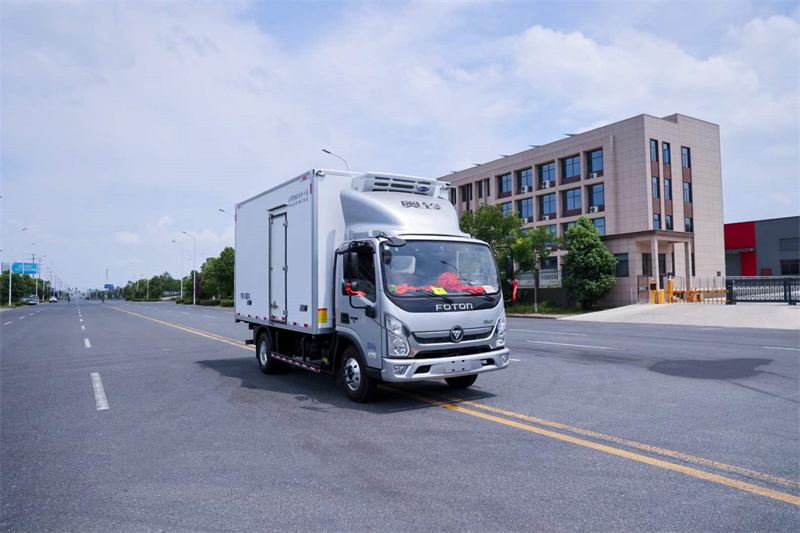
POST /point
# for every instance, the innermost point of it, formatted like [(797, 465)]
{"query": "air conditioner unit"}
[(546, 184), (594, 209), (546, 217), (523, 189), (593, 175)]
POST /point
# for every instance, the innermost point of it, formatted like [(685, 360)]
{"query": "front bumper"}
[(445, 367)]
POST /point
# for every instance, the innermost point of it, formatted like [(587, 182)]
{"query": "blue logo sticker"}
[(371, 346)]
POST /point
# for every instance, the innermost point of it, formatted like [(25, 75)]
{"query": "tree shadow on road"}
[(319, 393)]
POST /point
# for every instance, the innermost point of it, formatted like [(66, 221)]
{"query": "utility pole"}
[(35, 281)]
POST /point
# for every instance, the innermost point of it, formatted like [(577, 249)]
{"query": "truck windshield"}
[(439, 267)]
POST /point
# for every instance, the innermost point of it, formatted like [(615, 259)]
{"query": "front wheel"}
[(461, 382), (358, 386)]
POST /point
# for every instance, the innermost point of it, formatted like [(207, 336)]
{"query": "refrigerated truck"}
[(368, 277)]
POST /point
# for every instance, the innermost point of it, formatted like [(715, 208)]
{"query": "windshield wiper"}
[(428, 293)]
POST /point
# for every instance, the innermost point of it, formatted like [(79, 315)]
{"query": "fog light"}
[(399, 370), (504, 358)]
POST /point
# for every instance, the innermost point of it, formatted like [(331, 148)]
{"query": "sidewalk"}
[(750, 315)]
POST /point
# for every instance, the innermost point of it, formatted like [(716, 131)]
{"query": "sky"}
[(125, 124)]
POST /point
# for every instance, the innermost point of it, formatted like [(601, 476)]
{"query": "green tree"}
[(224, 272), (588, 265), (209, 278), (530, 249), (489, 224)]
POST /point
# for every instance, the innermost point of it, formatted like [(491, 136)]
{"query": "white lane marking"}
[(580, 346), (83, 328), (7, 323), (20, 318), (99, 393), (81, 320), (780, 348), (206, 316), (87, 343), (517, 360), (549, 332), (30, 314), (185, 313)]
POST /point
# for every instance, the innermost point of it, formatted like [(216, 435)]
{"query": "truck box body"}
[(301, 222)]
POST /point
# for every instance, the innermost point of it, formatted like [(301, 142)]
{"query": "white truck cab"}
[(367, 276)]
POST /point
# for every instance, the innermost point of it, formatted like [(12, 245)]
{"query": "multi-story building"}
[(763, 247), (652, 187)]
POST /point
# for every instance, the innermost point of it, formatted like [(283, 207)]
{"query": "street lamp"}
[(181, 245), (11, 267), (340, 157), (194, 269), (231, 214)]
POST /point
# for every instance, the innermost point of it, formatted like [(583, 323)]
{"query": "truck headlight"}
[(396, 340), (500, 330)]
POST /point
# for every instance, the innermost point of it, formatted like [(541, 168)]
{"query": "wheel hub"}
[(352, 374), (262, 353)]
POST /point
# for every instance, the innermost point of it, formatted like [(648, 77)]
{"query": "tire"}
[(358, 386), (461, 382), (267, 363)]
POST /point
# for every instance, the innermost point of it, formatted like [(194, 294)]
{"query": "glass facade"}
[(667, 189), (525, 178), (653, 150), (655, 187), (686, 157), (597, 195), (571, 167), (687, 192), (548, 204), (656, 221), (668, 222), (525, 208), (504, 184), (595, 160), (689, 224), (572, 199), (666, 153), (547, 172)]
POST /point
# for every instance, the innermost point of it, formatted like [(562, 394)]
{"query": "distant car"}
[(53, 299), (31, 300)]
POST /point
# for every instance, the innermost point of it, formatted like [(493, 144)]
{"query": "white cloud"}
[(127, 238), (165, 221)]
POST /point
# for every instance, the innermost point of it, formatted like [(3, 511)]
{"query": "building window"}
[(504, 184), (686, 157), (667, 189), (647, 264), (789, 245), (668, 222), (656, 221), (464, 193), (600, 224), (470, 191), (506, 208), (622, 265), (525, 179), (488, 189), (569, 225), (525, 208), (687, 192), (597, 195), (572, 200), (480, 189), (547, 172), (665, 151), (571, 167), (693, 271), (689, 223), (653, 150), (453, 196), (655, 187), (790, 267), (547, 204), (595, 160), (552, 230), (551, 263)]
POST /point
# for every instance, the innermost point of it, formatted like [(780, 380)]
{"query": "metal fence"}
[(781, 290)]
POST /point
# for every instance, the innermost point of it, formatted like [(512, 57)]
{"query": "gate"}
[(777, 290)]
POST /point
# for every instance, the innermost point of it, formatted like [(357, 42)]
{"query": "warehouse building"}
[(652, 187), (763, 247)]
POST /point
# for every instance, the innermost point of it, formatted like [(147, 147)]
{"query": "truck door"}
[(278, 270), (358, 305)]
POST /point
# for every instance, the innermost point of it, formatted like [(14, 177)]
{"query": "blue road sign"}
[(108, 286), (25, 268)]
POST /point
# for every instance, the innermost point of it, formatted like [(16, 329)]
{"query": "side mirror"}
[(508, 265)]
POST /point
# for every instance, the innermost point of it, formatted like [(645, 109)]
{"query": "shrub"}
[(226, 303), (208, 302)]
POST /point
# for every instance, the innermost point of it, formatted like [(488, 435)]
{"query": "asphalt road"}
[(595, 427)]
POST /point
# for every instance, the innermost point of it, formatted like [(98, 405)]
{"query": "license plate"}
[(457, 365)]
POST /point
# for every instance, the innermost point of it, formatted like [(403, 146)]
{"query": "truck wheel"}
[(461, 382), (358, 386), (267, 363)]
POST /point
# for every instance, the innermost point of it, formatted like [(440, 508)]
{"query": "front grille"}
[(439, 340), (454, 352)]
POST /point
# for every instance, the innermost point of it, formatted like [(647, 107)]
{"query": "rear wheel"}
[(358, 386), (461, 382), (267, 363)]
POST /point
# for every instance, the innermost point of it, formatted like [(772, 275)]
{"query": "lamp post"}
[(340, 157), (10, 269), (231, 214), (194, 269), (181, 245)]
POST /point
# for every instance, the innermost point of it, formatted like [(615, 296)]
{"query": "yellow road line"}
[(748, 487), (694, 472), (226, 340), (638, 445)]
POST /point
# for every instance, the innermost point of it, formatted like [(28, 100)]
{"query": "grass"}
[(546, 308)]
